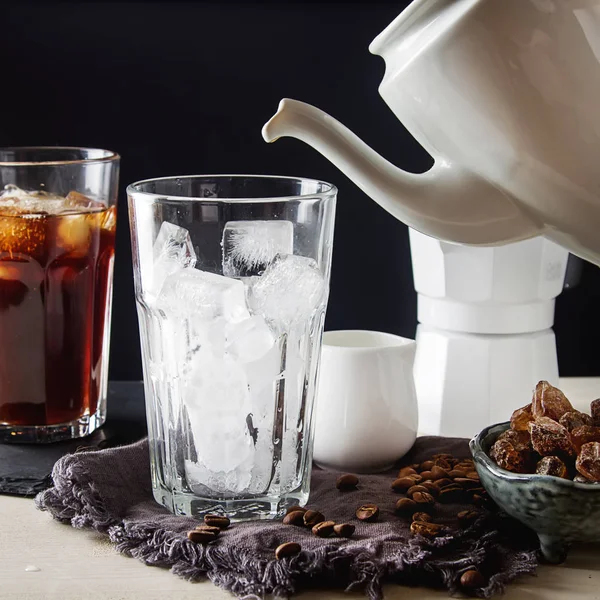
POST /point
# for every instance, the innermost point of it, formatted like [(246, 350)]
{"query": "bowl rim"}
[(481, 457)]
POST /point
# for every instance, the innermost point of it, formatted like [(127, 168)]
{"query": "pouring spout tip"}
[(268, 133)]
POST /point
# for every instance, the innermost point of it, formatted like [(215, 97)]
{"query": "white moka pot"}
[(485, 336)]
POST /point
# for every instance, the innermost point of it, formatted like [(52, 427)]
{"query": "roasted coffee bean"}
[(324, 528), (431, 488), (312, 517), (292, 509), (344, 530), (405, 471), (443, 455), (472, 579), (209, 528), (443, 463), (467, 518), (478, 490), (416, 477), (294, 518), (438, 473), (422, 516), (442, 483), (200, 536), (428, 530), (472, 475), (367, 512), (451, 494), (456, 473), (406, 507), (287, 549), (467, 483), (217, 521), (426, 466), (416, 488), (426, 475), (402, 484), (346, 482), (423, 498)]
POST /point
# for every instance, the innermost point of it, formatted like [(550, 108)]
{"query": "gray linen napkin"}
[(109, 491)]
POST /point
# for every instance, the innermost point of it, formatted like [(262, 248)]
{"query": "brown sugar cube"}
[(549, 438), (521, 440), (588, 461), (520, 418), (583, 435), (595, 410), (552, 465), (549, 401), (574, 419), (504, 454)]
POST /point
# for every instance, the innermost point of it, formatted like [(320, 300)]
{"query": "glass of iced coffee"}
[(57, 239)]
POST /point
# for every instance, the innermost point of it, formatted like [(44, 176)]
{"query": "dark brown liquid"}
[(55, 274)]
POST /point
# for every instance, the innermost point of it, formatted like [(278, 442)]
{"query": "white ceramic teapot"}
[(505, 96)]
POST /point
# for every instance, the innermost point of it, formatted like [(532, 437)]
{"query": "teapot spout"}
[(448, 202)]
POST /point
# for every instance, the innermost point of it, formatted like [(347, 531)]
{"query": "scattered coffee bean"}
[(312, 517), (425, 529), (367, 512), (457, 473), (467, 518), (344, 530), (217, 521), (422, 516), (294, 518), (473, 475), (406, 507), (442, 483), (402, 484), (287, 549), (423, 499), (442, 455), (426, 475), (415, 477), (443, 463), (292, 509), (416, 488), (209, 528), (426, 466), (451, 494), (467, 483), (438, 473), (405, 471), (483, 501), (324, 528), (199, 536), (346, 482), (431, 488), (472, 579)]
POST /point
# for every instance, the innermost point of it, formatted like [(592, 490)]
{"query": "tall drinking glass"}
[(231, 279), (57, 239)]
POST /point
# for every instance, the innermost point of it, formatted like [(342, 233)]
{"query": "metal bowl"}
[(560, 511)]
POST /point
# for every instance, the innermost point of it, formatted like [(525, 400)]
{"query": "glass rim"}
[(109, 156), (332, 191)]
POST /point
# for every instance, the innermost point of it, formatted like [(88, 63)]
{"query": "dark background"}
[(184, 88)]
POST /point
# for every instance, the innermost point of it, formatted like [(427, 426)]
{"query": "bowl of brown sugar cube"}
[(543, 468)]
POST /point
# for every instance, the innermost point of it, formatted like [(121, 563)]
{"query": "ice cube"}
[(218, 401), (249, 339), (192, 293), (22, 202), (172, 251), (288, 292), (250, 246)]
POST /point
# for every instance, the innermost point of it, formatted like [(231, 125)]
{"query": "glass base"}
[(46, 434), (244, 509)]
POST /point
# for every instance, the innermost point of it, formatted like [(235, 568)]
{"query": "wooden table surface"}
[(41, 559)]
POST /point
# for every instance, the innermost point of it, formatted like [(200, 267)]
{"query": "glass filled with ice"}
[(231, 279), (57, 240)]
